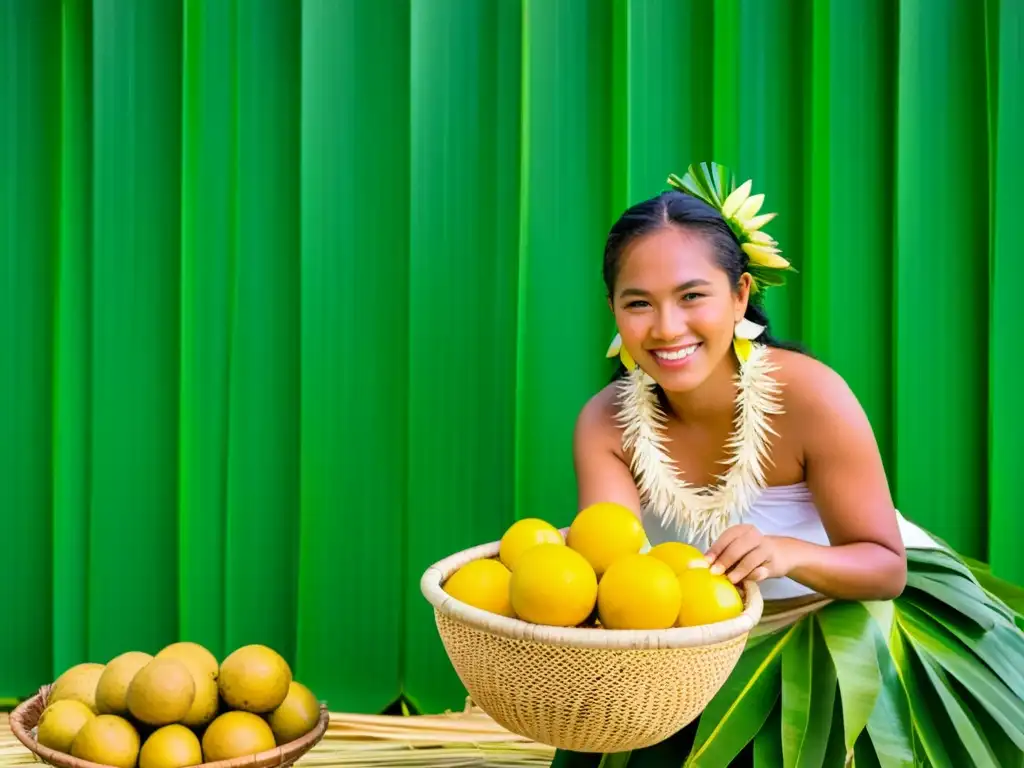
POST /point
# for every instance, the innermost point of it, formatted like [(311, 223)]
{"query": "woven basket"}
[(25, 717), (580, 689)]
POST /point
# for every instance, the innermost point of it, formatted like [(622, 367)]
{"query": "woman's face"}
[(675, 309)]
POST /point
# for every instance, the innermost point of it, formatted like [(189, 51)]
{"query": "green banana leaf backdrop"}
[(297, 298)]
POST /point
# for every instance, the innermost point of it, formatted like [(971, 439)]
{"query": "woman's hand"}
[(743, 552)]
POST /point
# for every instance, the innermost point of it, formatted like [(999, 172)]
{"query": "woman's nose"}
[(669, 325)]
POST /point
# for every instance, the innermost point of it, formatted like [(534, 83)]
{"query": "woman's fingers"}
[(736, 550), (755, 560)]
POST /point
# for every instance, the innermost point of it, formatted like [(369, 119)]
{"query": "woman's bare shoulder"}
[(597, 420), (812, 389)]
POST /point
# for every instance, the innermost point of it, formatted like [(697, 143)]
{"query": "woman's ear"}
[(746, 282)]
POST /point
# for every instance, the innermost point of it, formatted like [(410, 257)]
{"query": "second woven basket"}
[(586, 690)]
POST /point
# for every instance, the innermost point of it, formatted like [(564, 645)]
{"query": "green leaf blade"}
[(849, 632), (740, 709), (808, 697)]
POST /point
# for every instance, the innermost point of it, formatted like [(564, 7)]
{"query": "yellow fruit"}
[(78, 683), (484, 584), (112, 688), (254, 678), (60, 723), (297, 715), (553, 585), (638, 592), (603, 533), (161, 692), (107, 740), (679, 556), (195, 656), (236, 734), (707, 598), (523, 534), (173, 746)]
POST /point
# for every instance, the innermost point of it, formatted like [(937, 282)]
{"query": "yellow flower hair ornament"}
[(715, 185)]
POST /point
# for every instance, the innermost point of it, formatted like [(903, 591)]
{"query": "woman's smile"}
[(673, 358)]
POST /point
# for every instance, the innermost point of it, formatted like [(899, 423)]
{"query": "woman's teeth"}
[(675, 354)]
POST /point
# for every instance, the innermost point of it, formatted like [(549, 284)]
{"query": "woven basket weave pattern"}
[(25, 717), (586, 699), (586, 690)]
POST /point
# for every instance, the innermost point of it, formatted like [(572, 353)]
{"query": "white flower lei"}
[(698, 510)]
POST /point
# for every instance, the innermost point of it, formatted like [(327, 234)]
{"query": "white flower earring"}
[(748, 329)]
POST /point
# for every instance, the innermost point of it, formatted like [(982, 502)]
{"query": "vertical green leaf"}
[(772, 133), (768, 742), (355, 262), (263, 386), (565, 216), (464, 126), (671, 70), (740, 709), (890, 725), (73, 329), (133, 531), (849, 632), (808, 697), (939, 309), (30, 211), (847, 296), (1005, 372), (209, 157)]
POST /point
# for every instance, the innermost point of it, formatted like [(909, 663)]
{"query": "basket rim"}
[(577, 637), (21, 723)]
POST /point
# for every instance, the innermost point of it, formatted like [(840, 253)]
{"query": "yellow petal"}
[(627, 359), (750, 207), (762, 237), (736, 198), (754, 224), (613, 348), (765, 256), (743, 348)]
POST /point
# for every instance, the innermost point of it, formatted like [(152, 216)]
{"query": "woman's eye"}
[(636, 304), (692, 296)]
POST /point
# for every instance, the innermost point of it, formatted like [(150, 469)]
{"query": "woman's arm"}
[(601, 471), (844, 471)]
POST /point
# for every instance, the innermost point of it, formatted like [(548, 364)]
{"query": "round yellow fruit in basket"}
[(236, 734), (484, 584), (603, 533), (638, 592), (107, 740), (60, 723), (173, 746), (524, 534), (553, 585), (707, 598), (679, 556)]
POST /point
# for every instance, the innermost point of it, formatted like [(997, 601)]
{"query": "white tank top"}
[(782, 510)]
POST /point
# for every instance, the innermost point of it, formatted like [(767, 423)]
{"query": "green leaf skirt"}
[(933, 678)]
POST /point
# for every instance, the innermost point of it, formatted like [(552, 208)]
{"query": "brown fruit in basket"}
[(198, 660), (78, 683), (254, 678), (162, 692), (172, 746), (236, 734), (194, 655), (112, 687), (296, 716), (60, 723), (107, 740)]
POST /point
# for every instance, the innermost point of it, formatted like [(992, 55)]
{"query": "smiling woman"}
[(876, 636)]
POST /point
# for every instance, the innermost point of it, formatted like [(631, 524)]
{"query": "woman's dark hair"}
[(674, 208)]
